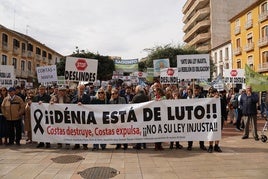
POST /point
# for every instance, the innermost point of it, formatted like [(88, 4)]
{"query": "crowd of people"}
[(15, 118)]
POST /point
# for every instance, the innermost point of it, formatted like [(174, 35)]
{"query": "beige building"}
[(207, 23), (249, 37), (25, 53)]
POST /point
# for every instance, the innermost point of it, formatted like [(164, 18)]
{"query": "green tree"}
[(169, 51)]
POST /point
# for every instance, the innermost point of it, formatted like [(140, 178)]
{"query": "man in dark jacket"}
[(248, 104), (139, 97)]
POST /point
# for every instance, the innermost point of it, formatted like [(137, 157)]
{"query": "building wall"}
[(14, 50), (250, 52), (222, 58), (220, 13)]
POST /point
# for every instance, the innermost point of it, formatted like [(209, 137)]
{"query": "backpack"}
[(234, 101)]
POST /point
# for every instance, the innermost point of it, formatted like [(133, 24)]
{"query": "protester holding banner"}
[(176, 96), (214, 94), (108, 91), (81, 98), (116, 99), (128, 94), (27, 119), (42, 97), (100, 99), (158, 95), (248, 102), (61, 97), (197, 94), (13, 110), (139, 97), (3, 121)]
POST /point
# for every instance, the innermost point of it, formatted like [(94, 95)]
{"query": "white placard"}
[(47, 74), (81, 69), (193, 66), (169, 76)]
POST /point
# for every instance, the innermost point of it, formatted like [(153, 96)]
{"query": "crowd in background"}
[(15, 118)]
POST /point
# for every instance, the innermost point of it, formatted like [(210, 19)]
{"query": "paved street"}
[(240, 159)]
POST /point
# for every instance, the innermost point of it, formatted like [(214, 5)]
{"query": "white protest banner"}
[(169, 76), (235, 76), (81, 69), (159, 64), (193, 66), (46, 73), (153, 121), (7, 76)]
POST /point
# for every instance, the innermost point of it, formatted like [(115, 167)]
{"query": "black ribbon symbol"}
[(38, 121)]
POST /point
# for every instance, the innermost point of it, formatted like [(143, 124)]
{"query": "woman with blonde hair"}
[(99, 99)]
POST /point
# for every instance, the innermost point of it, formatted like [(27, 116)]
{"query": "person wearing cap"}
[(13, 110), (42, 97), (61, 97)]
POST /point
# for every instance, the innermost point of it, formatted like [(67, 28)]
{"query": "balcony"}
[(249, 47), (30, 54), (37, 57), (198, 16), (4, 46), (263, 41), (200, 38), (191, 7), (249, 24), (204, 48), (237, 51), (23, 53), (44, 58), (31, 74), (21, 74), (263, 16), (16, 50), (237, 30), (200, 26), (263, 67)]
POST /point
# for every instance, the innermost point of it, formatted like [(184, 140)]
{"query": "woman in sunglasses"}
[(100, 99)]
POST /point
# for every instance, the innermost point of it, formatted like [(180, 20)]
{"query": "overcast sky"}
[(110, 27)]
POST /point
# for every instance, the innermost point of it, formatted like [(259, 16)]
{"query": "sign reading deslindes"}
[(193, 66), (169, 76), (81, 69), (46, 74), (153, 121)]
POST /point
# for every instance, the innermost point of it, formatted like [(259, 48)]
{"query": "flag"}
[(257, 81)]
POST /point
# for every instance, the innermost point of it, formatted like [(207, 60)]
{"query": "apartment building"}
[(206, 22), (24, 53), (249, 37)]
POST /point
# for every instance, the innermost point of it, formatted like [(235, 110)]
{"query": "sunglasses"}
[(100, 92), (114, 93)]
